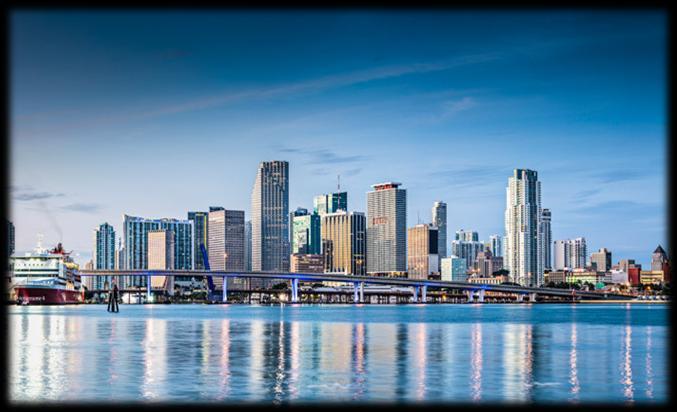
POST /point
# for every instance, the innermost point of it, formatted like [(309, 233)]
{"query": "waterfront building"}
[(570, 254), (522, 216), (439, 220), (496, 245), (161, 243), (135, 238), (453, 269), (248, 245), (226, 242), (660, 262), (546, 239), (467, 249), (10, 238), (307, 263), (634, 272), (488, 280), (344, 242), (387, 230), (579, 276), (270, 219), (200, 237), (651, 277), (305, 232), (625, 264), (330, 203), (486, 264), (618, 276), (601, 261), (104, 254), (467, 236), (422, 252)]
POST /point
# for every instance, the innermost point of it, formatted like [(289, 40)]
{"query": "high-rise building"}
[(466, 249), (248, 245), (486, 263), (200, 236), (625, 264), (601, 261), (522, 254), (453, 269), (660, 262), (467, 236), (496, 245), (422, 252), (570, 254), (104, 254), (226, 244), (120, 256), (10, 240), (344, 241), (270, 218), (439, 215), (161, 245), (330, 203), (135, 236), (306, 263), (305, 232), (387, 230), (546, 238)]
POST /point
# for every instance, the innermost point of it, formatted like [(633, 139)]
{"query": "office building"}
[(305, 232), (226, 242), (270, 218), (387, 230), (486, 263), (307, 263), (161, 243), (522, 216), (454, 269), (248, 245), (135, 237), (660, 262), (344, 242), (601, 261), (570, 254), (330, 203), (467, 236), (120, 256), (10, 238), (439, 220), (104, 254), (546, 238), (496, 245), (200, 236), (466, 249), (422, 252)]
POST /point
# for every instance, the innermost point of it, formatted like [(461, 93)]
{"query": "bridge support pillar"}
[(480, 296), (520, 298), (416, 293), (225, 290), (424, 292), (355, 293), (532, 297), (148, 289), (470, 294), (294, 290), (361, 292)]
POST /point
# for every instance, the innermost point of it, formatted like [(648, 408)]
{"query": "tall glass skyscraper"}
[(344, 240), (387, 230), (522, 215), (305, 232), (200, 236), (330, 203), (104, 254), (226, 243), (135, 235), (439, 219), (546, 238), (496, 245), (270, 217), (248, 245)]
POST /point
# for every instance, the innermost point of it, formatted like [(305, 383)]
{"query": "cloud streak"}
[(82, 207), (29, 195)]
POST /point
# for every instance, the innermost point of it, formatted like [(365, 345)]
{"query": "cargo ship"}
[(45, 277)]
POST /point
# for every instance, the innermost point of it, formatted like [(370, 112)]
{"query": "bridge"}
[(419, 286)]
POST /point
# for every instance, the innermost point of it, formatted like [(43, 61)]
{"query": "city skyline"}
[(450, 120)]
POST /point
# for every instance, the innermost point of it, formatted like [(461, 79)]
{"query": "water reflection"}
[(202, 354)]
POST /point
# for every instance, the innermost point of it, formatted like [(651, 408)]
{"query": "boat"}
[(46, 277)]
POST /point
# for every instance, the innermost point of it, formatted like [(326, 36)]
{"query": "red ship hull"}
[(48, 296)]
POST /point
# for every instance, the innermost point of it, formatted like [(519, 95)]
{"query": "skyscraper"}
[(422, 252), (546, 238), (439, 219), (453, 269), (248, 245), (466, 249), (467, 236), (226, 244), (200, 236), (305, 232), (104, 254), (522, 216), (10, 240), (135, 236), (601, 260), (330, 203), (344, 240), (496, 245), (570, 254), (387, 230), (161, 257), (270, 217), (658, 258)]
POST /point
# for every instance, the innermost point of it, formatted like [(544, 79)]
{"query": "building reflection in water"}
[(518, 361), (573, 364), (401, 360), (295, 360), (649, 371), (224, 387), (476, 362), (155, 359), (419, 361), (359, 353), (256, 342), (626, 377)]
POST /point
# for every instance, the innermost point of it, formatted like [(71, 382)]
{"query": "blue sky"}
[(157, 113)]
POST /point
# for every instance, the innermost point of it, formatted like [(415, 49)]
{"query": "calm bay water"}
[(380, 353)]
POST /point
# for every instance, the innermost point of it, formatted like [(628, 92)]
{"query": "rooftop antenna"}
[(418, 217), (339, 183)]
